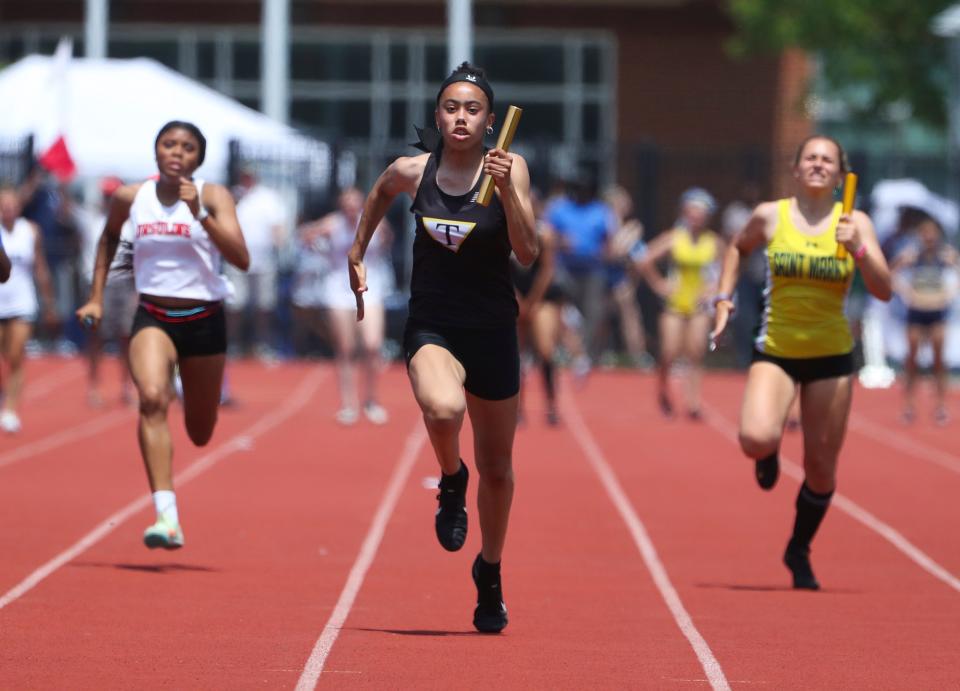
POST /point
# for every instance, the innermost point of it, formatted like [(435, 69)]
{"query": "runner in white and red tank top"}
[(25, 274), (183, 228)]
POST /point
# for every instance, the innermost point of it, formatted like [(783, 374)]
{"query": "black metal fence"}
[(16, 159)]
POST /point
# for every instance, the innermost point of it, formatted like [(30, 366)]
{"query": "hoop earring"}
[(489, 129)]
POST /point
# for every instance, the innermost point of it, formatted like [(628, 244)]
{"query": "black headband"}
[(477, 80)]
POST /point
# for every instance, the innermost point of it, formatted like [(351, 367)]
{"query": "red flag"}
[(57, 160)]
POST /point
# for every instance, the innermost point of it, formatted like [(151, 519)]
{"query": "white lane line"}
[(293, 404), (916, 449), (368, 552), (710, 664), (38, 389), (857, 512), (81, 431)]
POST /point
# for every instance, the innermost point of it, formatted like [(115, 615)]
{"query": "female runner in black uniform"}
[(460, 341), (540, 301)]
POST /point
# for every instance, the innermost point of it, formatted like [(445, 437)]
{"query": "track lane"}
[(584, 610), (879, 615)]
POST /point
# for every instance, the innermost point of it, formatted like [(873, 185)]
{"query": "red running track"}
[(640, 554)]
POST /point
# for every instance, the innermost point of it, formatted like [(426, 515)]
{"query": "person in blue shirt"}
[(584, 225)]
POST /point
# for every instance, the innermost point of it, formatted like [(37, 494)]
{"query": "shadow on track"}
[(148, 568), (764, 588), (421, 632)]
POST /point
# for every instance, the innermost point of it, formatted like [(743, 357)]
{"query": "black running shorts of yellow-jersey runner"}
[(804, 370), (490, 356)]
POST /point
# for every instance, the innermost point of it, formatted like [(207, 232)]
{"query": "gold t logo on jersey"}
[(450, 234)]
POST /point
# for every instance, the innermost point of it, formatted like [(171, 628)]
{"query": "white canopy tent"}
[(110, 111)]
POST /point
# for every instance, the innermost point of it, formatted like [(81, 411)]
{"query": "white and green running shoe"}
[(164, 534)]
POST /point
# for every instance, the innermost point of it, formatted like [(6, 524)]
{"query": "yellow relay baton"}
[(503, 142), (849, 197)]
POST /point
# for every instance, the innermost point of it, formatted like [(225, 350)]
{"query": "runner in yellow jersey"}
[(804, 338), (694, 253)]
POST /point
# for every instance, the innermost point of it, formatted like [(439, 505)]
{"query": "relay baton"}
[(503, 142), (849, 197)]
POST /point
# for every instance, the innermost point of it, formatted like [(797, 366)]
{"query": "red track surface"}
[(276, 517)]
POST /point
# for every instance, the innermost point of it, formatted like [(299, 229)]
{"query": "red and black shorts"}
[(194, 331)]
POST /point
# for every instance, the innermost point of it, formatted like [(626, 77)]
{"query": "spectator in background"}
[(120, 294), (338, 230), (45, 202), (924, 276), (23, 244), (626, 247), (310, 270), (752, 278), (260, 211), (584, 225), (904, 235)]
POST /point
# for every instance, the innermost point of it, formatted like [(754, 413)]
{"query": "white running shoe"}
[(347, 416), (9, 422), (376, 413), (164, 534)]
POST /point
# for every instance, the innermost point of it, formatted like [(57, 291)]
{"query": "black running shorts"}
[(490, 357), (926, 317), (193, 333), (805, 370)]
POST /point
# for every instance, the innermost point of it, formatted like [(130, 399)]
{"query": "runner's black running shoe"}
[(490, 616), (767, 471), (451, 518), (798, 561)]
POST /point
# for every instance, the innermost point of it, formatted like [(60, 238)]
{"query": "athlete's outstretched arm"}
[(512, 178), (754, 234), (117, 215), (222, 225), (403, 175)]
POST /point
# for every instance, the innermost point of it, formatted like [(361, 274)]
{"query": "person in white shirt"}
[(337, 231), (25, 267), (183, 228), (260, 211)]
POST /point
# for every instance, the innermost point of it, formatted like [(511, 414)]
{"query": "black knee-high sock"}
[(811, 508), (546, 368)]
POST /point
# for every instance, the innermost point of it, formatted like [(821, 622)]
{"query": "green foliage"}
[(882, 49)]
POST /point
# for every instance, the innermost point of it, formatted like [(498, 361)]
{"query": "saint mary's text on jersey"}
[(816, 268)]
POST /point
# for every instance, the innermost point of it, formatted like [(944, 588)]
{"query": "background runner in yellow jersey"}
[(694, 251)]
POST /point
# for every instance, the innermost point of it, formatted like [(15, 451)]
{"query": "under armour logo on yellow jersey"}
[(450, 234)]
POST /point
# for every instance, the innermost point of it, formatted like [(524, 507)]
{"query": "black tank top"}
[(461, 258)]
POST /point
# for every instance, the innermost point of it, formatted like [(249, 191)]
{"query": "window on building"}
[(368, 89)]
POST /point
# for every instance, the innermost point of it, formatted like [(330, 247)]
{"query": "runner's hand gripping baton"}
[(849, 197), (503, 142)]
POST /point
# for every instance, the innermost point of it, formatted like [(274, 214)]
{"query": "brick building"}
[(641, 89)]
